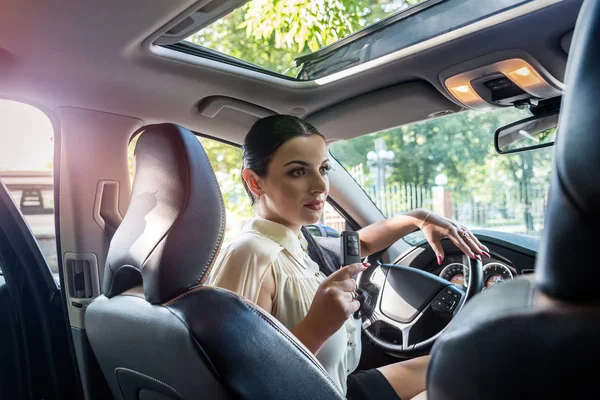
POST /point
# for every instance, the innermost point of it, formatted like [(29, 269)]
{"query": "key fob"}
[(350, 248), (351, 255)]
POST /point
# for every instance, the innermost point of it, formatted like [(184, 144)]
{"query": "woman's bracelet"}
[(425, 220)]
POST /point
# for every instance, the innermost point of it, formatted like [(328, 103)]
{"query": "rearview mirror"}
[(527, 134)]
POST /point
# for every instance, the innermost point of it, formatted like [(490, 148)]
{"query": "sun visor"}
[(382, 109)]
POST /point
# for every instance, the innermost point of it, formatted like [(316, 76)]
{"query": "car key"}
[(351, 255), (350, 248)]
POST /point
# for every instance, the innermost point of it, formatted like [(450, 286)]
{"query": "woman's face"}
[(296, 185)]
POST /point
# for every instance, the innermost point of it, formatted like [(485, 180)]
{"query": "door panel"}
[(12, 385), (39, 363)]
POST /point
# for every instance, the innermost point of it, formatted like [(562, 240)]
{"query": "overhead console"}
[(509, 82)]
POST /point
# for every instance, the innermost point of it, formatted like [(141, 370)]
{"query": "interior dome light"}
[(525, 77), (465, 94), (522, 71)]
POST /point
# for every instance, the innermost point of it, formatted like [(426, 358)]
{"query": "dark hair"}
[(265, 137), (260, 144)]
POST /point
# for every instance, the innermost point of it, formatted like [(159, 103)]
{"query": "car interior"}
[(126, 312)]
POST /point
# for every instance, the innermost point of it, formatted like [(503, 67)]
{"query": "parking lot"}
[(34, 195)]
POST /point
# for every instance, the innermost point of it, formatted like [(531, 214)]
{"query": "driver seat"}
[(537, 338), (157, 331)]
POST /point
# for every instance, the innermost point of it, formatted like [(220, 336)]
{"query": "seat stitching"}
[(217, 248)]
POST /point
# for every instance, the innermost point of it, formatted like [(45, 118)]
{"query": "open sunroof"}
[(308, 40)]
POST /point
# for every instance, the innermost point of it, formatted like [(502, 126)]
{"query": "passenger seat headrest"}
[(175, 221)]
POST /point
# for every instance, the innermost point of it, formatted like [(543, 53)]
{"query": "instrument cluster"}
[(494, 273)]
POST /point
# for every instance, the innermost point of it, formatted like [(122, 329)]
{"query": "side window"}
[(314, 230), (226, 161), (26, 161), (333, 221), (331, 224)]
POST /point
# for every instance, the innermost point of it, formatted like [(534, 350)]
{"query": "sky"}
[(26, 137)]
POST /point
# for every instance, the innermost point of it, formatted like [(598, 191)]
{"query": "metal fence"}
[(333, 219), (395, 198), (516, 208), (519, 209), (398, 198)]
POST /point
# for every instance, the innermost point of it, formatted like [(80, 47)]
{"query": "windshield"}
[(449, 165)]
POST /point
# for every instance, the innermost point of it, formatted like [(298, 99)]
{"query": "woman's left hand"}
[(436, 227)]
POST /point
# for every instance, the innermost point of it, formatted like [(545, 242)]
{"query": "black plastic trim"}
[(367, 31), (63, 296), (361, 188), (522, 244), (204, 52)]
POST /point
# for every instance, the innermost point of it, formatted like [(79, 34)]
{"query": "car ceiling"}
[(98, 55)]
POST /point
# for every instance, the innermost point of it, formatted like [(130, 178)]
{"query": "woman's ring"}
[(354, 295), (465, 233)]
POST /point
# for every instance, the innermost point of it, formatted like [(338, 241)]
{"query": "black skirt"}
[(370, 384)]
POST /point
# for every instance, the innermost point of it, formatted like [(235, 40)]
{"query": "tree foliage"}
[(461, 147), (272, 33)]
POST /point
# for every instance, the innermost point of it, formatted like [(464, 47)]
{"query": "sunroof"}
[(306, 40), (271, 33)]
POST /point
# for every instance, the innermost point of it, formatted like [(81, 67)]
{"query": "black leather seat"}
[(538, 338), (158, 332)]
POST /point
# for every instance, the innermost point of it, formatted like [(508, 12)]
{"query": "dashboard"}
[(455, 270), (511, 256)]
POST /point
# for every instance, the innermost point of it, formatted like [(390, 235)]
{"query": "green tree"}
[(226, 161), (272, 34), (461, 147), (422, 151)]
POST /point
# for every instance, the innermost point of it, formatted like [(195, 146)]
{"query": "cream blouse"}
[(264, 246)]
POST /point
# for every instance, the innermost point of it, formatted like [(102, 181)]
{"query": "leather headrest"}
[(175, 221), (567, 267)]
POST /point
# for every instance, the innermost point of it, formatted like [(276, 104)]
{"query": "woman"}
[(278, 265)]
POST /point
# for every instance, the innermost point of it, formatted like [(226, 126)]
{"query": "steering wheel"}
[(414, 302)]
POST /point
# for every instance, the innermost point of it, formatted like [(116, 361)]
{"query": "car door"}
[(36, 357), (36, 360)]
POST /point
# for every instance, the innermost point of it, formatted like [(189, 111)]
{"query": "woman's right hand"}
[(332, 305)]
